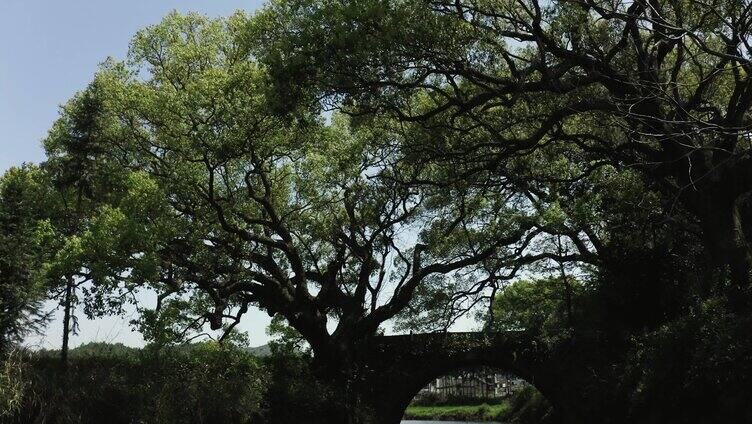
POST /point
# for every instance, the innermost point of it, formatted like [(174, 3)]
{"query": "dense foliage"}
[(21, 255), (623, 124), (575, 171), (201, 383)]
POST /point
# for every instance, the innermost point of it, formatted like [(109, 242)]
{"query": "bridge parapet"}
[(512, 348)]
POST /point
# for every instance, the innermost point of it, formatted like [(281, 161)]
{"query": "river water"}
[(442, 422)]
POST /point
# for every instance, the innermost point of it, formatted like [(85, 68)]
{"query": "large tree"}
[(223, 202), (625, 124), (483, 138)]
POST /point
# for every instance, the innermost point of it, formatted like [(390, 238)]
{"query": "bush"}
[(436, 399), (694, 369), (294, 394), (528, 406), (196, 384), (97, 386), (205, 384), (13, 383)]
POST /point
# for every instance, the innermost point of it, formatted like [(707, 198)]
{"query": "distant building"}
[(481, 383)]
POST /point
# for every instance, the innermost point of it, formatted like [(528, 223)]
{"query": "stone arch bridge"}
[(399, 366)]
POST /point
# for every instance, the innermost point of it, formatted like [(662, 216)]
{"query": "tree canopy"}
[(657, 88), (222, 202), (21, 255), (581, 169), (470, 142)]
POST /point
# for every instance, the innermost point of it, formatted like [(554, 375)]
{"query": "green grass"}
[(483, 412)]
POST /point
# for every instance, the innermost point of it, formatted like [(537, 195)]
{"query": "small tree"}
[(21, 255)]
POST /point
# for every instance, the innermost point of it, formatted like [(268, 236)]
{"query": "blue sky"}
[(49, 49)]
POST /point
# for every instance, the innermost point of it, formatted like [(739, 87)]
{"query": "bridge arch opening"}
[(477, 393)]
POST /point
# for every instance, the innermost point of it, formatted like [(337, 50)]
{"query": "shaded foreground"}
[(199, 383)]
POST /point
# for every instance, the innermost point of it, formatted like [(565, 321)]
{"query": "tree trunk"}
[(67, 301), (364, 402), (740, 257), (358, 392), (728, 246)]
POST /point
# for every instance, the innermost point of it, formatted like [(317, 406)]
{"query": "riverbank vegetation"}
[(525, 406), (200, 383), (483, 412)]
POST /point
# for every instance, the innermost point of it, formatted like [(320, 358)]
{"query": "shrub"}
[(13, 383), (206, 383), (195, 384), (528, 406)]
